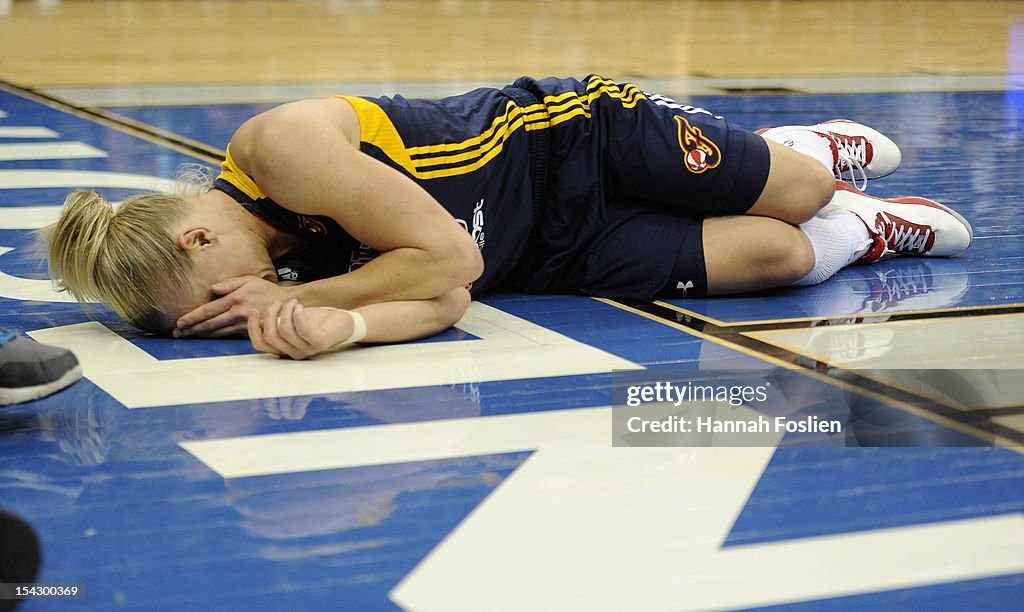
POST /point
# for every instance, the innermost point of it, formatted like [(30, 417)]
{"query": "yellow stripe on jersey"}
[(230, 172), (562, 111), (375, 127), (510, 110), (456, 158)]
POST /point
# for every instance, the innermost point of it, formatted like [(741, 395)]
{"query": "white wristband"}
[(358, 327)]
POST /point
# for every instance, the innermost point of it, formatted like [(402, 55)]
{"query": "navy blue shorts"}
[(641, 254), (631, 175)]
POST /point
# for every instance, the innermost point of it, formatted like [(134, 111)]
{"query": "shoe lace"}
[(848, 162), (901, 236)]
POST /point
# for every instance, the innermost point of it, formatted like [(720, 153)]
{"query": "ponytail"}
[(75, 242), (128, 259)]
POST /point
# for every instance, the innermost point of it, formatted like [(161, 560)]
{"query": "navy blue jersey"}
[(468, 152), (565, 185)]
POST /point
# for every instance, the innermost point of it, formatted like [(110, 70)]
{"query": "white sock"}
[(803, 140), (838, 239)]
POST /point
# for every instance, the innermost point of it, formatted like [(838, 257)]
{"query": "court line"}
[(135, 128), (734, 338), (879, 317)]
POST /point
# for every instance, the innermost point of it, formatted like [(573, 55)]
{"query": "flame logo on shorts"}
[(700, 153), (311, 225)]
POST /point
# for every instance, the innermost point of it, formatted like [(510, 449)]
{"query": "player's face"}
[(229, 255)]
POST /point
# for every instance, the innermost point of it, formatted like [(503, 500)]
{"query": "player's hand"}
[(228, 314), (293, 331)]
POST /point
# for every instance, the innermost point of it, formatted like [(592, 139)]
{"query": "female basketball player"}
[(353, 219)]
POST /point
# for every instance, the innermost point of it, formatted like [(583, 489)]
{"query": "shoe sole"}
[(27, 394)]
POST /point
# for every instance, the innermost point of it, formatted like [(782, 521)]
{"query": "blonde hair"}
[(129, 258)]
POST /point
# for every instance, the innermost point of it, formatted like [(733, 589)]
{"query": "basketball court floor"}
[(481, 469)]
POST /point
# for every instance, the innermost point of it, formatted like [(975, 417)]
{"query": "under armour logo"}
[(684, 287)]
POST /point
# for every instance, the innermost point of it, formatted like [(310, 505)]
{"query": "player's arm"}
[(305, 156), (294, 331)]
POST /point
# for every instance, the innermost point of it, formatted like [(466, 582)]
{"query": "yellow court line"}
[(765, 335), (873, 315), (846, 386), (905, 322), (865, 372), (132, 127), (756, 335)]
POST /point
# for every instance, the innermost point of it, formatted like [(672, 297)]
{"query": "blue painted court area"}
[(490, 476)]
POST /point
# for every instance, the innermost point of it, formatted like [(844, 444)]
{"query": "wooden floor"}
[(60, 44), (475, 470)]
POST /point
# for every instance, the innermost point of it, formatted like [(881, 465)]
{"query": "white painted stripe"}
[(3, 114), (27, 217), (28, 131), (33, 179), (641, 528), (510, 348), (15, 287), (385, 444), (48, 150)]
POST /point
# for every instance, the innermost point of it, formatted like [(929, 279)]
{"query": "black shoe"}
[(29, 370)]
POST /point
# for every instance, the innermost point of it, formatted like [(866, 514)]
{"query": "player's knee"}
[(815, 190), (786, 257), (796, 190), (453, 305)]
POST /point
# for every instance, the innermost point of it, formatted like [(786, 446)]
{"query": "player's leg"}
[(749, 253), (641, 254), (797, 187), (694, 163), (851, 151), (745, 253), (805, 159)]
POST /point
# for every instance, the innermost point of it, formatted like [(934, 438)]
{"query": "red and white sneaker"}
[(859, 152), (859, 149), (905, 226)]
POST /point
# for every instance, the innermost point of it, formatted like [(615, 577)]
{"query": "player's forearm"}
[(409, 320), (398, 275)]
